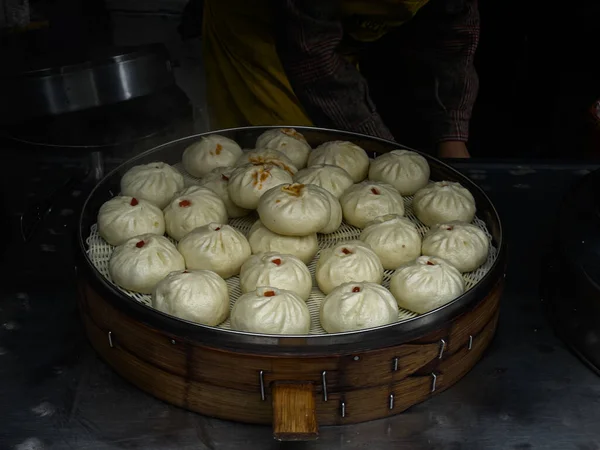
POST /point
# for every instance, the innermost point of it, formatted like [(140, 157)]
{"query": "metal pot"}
[(55, 87)]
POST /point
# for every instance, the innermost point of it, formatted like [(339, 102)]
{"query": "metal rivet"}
[(356, 358), (324, 384), (395, 364), (343, 409), (173, 341), (110, 341), (391, 401), (261, 377), (442, 348), (433, 381), (470, 341)]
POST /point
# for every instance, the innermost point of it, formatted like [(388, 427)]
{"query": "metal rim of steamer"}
[(388, 335)]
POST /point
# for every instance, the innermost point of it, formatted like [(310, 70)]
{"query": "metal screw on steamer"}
[(470, 341), (110, 341), (261, 377), (442, 348), (324, 384)]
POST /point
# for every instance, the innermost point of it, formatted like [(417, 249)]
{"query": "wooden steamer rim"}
[(235, 375)]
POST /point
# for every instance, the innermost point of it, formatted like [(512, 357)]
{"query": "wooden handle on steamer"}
[(294, 411)]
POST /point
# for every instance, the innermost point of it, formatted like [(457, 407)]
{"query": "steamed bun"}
[(426, 284), (156, 182), (217, 247), (200, 296), (289, 142), (142, 261), (123, 217), (208, 153)]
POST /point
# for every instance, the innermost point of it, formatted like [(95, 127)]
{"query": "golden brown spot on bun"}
[(293, 133), (293, 189), (269, 294)]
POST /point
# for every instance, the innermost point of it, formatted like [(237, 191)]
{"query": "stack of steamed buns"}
[(298, 193)]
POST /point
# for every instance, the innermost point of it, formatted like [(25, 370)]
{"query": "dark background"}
[(538, 64)]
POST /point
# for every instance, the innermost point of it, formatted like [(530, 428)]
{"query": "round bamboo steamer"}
[(293, 383)]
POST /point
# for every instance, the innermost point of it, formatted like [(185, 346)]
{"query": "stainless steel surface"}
[(572, 271), (58, 89), (350, 341), (529, 392)]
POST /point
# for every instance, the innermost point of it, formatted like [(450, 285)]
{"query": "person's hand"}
[(453, 149)]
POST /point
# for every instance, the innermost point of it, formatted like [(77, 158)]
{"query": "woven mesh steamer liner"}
[(99, 253)]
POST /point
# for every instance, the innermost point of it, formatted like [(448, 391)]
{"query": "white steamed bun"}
[(394, 239), (331, 178), (209, 153), (191, 208), (347, 262), (444, 201), (426, 284), (267, 156), (368, 200), (217, 247), (124, 217), (262, 239), (217, 180), (156, 182), (276, 270), (200, 296), (270, 310), (405, 170), (248, 183), (142, 261), (295, 209), (335, 216), (463, 245), (356, 306), (346, 155), (289, 142)]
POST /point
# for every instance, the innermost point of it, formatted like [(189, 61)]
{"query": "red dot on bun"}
[(269, 294), (133, 201), (184, 203), (375, 191), (355, 289), (276, 261), (140, 244)]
